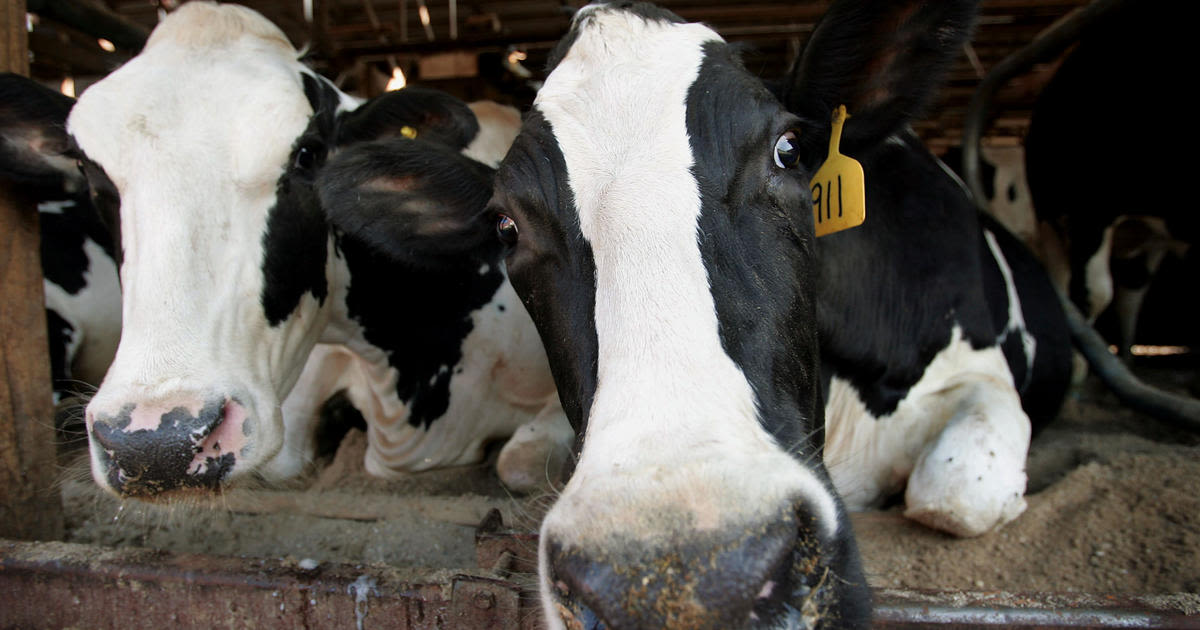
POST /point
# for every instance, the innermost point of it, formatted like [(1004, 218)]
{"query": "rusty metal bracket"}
[(505, 551)]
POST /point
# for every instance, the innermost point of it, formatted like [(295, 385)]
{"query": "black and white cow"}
[(243, 311), (659, 226), (83, 295), (1101, 171)]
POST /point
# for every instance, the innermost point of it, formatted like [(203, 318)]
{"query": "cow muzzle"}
[(765, 574), (154, 449)]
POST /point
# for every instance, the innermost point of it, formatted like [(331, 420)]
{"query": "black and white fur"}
[(243, 311), (657, 209)]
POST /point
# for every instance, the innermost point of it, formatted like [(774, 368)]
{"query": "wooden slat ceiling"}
[(356, 41)]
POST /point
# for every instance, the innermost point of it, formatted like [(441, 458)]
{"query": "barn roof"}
[(357, 42)]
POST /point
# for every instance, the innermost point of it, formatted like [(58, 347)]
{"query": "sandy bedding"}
[(1114, 507)]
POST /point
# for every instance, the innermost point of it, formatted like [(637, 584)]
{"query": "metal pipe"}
[(1049, 44)]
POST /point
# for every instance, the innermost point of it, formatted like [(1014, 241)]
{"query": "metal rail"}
[(57, 585)]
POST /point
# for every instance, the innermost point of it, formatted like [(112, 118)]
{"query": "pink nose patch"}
[(227, 437)]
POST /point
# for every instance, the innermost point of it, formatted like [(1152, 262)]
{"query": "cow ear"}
[(883, 60), (34, 147), (412, 112), (414, 201)]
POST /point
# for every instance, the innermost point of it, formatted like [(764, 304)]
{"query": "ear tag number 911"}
[(838, 189)]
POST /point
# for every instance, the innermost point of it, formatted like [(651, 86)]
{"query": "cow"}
[(658, 221), (243, 311), (83, 303), (1114, 240), (1114, 243)]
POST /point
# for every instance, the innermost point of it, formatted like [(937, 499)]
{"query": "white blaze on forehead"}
[(667, 393), (195, 132)]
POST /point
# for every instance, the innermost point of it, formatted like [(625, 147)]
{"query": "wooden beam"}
[(49, 49), (30, 507), (94, 19)]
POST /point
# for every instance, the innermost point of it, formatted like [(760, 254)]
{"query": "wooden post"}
[(30, 505)]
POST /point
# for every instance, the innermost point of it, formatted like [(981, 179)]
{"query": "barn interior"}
[(498, 50), (1115, 495)]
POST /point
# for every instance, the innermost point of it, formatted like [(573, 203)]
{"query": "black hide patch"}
[(64, 234), (60, 334), (552, 266), (892, 290), (757, 245), (295, 243), (419, 317)]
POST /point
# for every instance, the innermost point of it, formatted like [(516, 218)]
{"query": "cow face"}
[(207, 146), (658, 216)]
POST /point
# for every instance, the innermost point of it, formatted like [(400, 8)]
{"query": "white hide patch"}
[(498, 127), (1098, 277), (673, 435), (1016, 316), (94, 313), (959, 438)]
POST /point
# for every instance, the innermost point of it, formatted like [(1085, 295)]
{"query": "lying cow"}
[(658, 219), (243, 310), (83, 296)]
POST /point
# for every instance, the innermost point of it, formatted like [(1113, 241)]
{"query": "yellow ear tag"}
[(838, 189), (408, 132)]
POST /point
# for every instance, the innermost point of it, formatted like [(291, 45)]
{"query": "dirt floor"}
[(1114, 507)]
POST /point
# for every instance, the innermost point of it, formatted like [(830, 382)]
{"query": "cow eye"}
[(787, 151), (506, 230), (306, 158)]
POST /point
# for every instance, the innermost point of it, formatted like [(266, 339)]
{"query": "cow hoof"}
[(533, 459), (964, 520), (967, 483)]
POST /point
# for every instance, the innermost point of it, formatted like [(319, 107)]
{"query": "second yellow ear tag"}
[(408, 132), (838, 188)]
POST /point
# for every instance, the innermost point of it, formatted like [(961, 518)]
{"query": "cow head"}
[(657, 212), (207, 146)]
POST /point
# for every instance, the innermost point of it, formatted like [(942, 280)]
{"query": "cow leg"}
[(1098, 280), (534, 457), (971, 478)]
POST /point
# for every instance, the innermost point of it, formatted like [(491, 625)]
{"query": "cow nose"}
[(151, 449), (692, 580)]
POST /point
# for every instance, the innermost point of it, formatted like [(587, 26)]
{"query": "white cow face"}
[(655, 212), (207, 145)]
